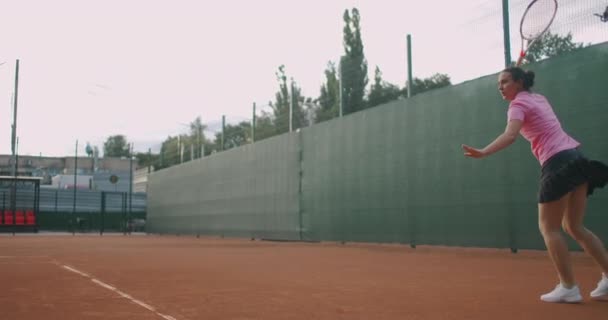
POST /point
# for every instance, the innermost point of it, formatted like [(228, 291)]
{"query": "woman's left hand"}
[(472, 152)]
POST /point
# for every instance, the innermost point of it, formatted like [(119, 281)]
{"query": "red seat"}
[(30, 218), (8, 217), (19, 218)]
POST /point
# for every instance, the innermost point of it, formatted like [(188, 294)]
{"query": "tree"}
[(353, 66), (116, 146), (300, 119), (197, 136), (329, 98), (551, 45), (264, 126), (280, 107), (89, 150), (145, 159), (181, 148), (438, 80), (381, 91), (170, 153), (234, 136), (287, 92)]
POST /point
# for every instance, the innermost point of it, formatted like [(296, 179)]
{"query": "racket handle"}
[(520, 59)]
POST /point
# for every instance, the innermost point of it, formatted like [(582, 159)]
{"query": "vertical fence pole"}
[(149, 160), (103, 212), (291, 106), (410, 83), (75, 187), (124, 211), (253, 125), (300, 176), (506, 32), (511, 219), (223, 132), (131, 182), (340, 95), (3, 207), (14, 126)]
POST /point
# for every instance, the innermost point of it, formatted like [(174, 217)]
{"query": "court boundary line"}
[(114, 289)]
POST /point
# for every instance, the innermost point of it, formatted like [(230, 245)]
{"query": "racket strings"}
[(537, 18)]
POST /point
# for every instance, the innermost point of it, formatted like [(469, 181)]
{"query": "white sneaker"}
[(561, 294), (601, 292)]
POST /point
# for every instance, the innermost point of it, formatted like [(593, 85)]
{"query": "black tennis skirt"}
[(565, 171)]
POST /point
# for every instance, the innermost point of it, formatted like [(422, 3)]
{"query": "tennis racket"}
[(535, 21)]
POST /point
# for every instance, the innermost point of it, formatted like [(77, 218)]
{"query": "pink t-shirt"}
[(540, 125)]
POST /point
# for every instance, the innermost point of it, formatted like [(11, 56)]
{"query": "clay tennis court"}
[(168, 277)]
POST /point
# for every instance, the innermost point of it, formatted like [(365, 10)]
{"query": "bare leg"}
[(573, 224), (550, 216)]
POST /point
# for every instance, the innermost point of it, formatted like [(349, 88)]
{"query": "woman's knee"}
[(546, 228), (575, 230), (551, 214)]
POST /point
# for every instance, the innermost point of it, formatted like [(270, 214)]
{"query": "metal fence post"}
[(103, 212), (506, 32)]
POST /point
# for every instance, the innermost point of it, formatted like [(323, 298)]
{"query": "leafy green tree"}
[(300, 119), (183, 147), (353, 66), (116, 146), (381, 91), (287, 92), (145, 159), (264, 126), (170, 152), (89, 150), (437, 80), (329, 98), (234, 136), (197, 136), (551, 45)]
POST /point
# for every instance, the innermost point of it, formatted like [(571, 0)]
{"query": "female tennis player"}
[(567, 178)]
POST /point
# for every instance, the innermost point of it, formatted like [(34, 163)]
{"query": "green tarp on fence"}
[(394, 173)]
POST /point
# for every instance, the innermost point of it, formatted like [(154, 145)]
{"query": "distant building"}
[(140, 179), (66, 181), (58, 172)]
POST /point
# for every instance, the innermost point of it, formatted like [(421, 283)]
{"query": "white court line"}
[(107, 286), (76, 271), (122, 294), (16, 257)]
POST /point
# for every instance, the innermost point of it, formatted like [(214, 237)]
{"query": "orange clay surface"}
[(167, 277)]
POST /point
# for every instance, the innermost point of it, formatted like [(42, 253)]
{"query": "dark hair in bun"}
[(526, 76)]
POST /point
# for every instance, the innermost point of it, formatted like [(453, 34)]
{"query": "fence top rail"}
[(11, 178)]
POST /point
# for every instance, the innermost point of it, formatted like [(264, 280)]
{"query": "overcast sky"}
[(143, 68)]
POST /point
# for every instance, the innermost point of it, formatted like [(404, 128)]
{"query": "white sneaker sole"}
[(578, 299), (600, 298)]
